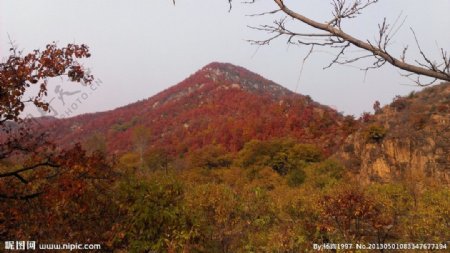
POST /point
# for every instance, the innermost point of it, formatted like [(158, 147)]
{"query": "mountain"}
[(410, 138), (219, 104)]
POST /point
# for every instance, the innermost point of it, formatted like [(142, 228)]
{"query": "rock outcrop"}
[(408, 138)]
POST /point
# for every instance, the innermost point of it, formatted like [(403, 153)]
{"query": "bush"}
[(296, 177), (375, 133), (307, 152), (326, 173), (156, 216), (399, 103), (280, 155), (210, 157)]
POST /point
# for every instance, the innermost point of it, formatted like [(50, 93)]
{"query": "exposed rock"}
[(415, 141)]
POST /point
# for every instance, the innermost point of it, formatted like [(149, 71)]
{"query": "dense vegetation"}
[(226, 161), (220, 103), (271, 196)]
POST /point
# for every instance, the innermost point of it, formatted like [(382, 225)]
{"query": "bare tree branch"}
[(335, 37)]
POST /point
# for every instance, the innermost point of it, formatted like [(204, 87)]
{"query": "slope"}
[(410, 138), (219, 104)]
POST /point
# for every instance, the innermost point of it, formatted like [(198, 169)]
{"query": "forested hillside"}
[(220, 104), (227, 161)]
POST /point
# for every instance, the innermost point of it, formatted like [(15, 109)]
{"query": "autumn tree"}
[(23, 143), (155, 216), (21, 72), (96, 143), (210, 157), (158, 158), (216, 211), (65, 201), (282, 155), (140, 137), (45, 189), (349, 213)]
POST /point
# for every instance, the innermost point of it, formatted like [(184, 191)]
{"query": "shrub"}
[(156, 216), (210, 157), (280, 155), (375, 133), (325, 174), (399, 103), (296, 177), (307, 152)]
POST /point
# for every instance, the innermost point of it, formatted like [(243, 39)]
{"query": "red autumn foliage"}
[(19, 72), (219, 104)]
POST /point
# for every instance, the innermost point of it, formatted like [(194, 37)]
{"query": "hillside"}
[(167, 177), (219, 104), (410, 138)]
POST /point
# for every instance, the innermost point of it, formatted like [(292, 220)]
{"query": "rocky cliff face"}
[(408, 138)]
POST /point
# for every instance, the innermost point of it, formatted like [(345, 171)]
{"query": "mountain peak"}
[(220, 65), (227, 74), (219, 104)]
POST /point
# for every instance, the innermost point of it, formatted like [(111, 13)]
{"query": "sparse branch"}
[(20, 197), (334, 36), (342, 10), (16, 173)]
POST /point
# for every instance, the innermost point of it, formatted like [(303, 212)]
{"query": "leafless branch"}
[(336, 38), (264, 13), (303, 65)]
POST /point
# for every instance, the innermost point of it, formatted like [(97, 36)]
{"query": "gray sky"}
[(141, 47)]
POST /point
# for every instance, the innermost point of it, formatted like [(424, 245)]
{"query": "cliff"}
[(410, 138)]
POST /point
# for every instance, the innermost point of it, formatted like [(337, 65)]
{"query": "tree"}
[(333, 35), (156, 216), (282, 155), (47, 190), (210, 157), (140, 137), (158, 158), (96, 143), (216, 210), (20, 72), (24, 147), (349, 213)]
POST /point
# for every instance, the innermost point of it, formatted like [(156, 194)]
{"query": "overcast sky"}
[(142, 47)]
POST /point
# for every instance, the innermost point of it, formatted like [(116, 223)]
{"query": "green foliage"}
[(157, 158), (216, 209), (123, 126), (210, 157), (430, 218), (375, 133), (96, 143), (306, 152), (157, 219), (213, 206), (326, 173), (282, 155), (129, 161), (304, 216), (296, 177), (140, 137)]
